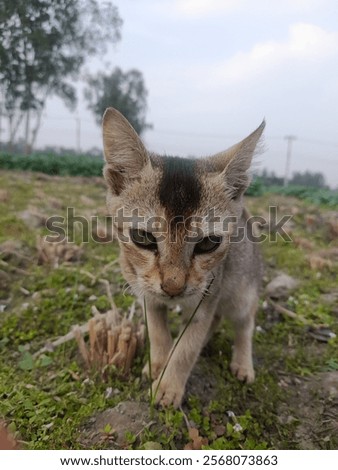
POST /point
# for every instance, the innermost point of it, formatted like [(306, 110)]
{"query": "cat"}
[(178, 221)]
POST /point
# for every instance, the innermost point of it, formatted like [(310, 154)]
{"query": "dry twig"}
[(287, 312)]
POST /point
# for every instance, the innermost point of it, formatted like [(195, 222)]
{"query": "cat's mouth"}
[(139, 289), (187, 293)]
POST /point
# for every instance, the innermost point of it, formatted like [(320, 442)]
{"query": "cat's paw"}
[(243, 371), (156, 368), (168, 392)]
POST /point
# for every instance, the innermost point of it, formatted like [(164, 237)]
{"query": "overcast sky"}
[(215, 68)]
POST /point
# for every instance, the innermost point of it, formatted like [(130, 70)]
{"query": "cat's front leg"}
[(169, 389), (241, 362), (159, 336)]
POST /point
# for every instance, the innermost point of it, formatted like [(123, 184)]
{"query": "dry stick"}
[(116, 330), (82, 271), (107, 266), (109, 295), (185, 418), (24, 291), (15, 253), (145, 427), (90, 275), (130, 353), (122, 345), (64, 339), (132, 311), (287, 312), (291, 314), (110, 345), (13, 268), (117, 359), (99, 344), (181, 334), (92, 338), (96, 312), (81, 344)]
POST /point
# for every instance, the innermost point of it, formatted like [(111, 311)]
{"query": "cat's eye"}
[(143, 239), (208, 244)]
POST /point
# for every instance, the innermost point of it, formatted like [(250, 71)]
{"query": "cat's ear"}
[(124, 151), (233, 164)]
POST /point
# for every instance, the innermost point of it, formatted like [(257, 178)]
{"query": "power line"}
[(318, 142), (205, 135), (237, 136)]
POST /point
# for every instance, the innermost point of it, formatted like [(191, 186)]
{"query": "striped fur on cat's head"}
[(173, 216)]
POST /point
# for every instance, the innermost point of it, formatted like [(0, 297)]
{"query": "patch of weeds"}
[(124, 301), (285, 257), (12, 227), (243, 435), (20, 191), (331, 364), (170, 431), (102, 303), (48, 407)]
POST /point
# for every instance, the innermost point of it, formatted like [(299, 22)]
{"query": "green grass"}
[(47, 400)]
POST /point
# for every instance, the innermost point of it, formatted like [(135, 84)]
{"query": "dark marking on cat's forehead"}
[(180, 186)]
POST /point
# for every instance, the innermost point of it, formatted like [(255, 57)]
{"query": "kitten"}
[(183, 235)]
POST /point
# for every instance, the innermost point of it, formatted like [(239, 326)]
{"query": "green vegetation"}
[(323, 196), (54, 164), (84, 165), (48, 400)]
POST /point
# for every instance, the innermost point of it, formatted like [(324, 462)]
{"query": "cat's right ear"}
[(124, 151)]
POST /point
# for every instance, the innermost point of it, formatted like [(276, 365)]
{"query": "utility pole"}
[(78, 134), (290, 139), (27, 145), (0, 124)]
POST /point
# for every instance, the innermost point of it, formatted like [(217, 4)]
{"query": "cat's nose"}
[(172, 286)]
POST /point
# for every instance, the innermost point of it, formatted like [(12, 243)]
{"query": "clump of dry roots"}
[(58, 252), (109, 338), (113, 340)]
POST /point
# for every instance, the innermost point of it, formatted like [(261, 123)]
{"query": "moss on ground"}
[(46, 400)]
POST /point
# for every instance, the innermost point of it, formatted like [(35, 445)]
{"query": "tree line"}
[(306, 178), (44, 45)]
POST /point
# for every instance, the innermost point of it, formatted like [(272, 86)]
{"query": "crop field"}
[(65, 394)]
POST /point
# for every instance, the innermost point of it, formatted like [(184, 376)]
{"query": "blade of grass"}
[(148, 355)]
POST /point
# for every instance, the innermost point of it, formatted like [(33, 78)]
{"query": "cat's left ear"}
[(124, 151), (233, 164)]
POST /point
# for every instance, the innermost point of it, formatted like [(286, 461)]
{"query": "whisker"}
[(126, 288)]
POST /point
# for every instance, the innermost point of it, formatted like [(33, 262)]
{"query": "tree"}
[(313, 180), (124, 91), (270, 179), (43, 44)]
